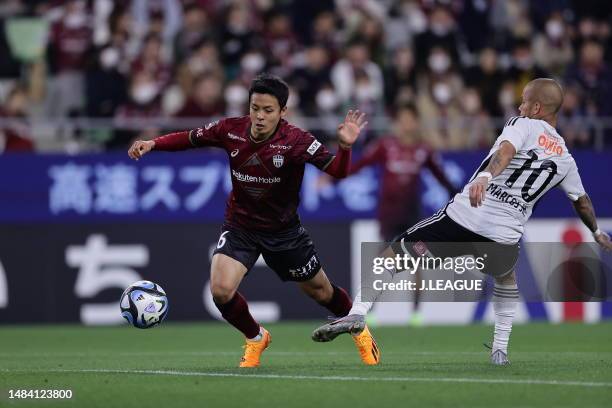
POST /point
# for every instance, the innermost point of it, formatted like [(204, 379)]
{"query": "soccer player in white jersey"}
[(527, 160)]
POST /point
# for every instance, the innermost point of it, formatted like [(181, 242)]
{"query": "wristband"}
[(597, 232), (486, 174)]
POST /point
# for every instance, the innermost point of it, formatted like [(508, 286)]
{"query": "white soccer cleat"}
[(353, 324)]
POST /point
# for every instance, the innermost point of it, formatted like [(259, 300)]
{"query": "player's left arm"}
[(434, 165), (348, 132), (499, 161), (584, 208)]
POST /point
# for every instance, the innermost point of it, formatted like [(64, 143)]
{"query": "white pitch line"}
[(323, 378)]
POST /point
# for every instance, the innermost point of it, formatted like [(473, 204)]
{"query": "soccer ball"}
[(144, 304)]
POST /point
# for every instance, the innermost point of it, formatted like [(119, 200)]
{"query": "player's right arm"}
[(210, 135), (499, 161)]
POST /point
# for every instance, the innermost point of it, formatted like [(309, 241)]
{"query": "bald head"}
[(547, 92)]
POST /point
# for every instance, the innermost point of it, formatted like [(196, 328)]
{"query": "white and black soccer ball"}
[(144, 304)]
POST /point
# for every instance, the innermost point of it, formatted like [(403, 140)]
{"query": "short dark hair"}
[(272, 85)]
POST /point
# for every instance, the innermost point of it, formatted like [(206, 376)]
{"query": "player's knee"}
[(222, 292)]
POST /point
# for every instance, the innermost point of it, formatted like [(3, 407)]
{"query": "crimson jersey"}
[(266, 176), (401, 168)]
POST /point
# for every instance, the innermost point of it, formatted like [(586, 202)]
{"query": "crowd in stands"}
[(462, 63)]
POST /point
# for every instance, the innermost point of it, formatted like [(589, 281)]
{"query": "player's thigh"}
[(292, 256), (432, 236), (234, 256), (226, 274)]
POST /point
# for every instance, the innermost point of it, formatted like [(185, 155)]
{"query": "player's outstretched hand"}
[(349, 130), (478, 187), (603, 239), (140, 148)]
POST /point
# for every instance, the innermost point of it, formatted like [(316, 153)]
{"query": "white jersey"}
[(541, 163)]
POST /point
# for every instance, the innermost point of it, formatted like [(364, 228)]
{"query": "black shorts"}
[(442, 237), (290, 253)]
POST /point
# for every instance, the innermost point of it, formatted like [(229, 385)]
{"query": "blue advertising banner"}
[(193, 186)]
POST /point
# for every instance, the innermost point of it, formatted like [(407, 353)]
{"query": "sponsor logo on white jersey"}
[(278, 160), (313, 147)]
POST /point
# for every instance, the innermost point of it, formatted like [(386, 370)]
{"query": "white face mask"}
[(253, 62), (363, 93), (327, 100), (439, 62), (75, 20), (442, 93), (471, 104), (524, 63), (554, 29), (236, 95), (506, 98), (294, 100), (109, 58), (145, 93), (440, 29)]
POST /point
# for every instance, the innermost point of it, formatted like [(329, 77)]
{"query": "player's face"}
[(407, 124), (528, 106), (265, 113)]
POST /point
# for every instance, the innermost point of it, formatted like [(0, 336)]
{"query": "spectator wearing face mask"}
[(441, 114), (344, 72), (487, 78), (197, 26), (143, 103), (592, 74), (311, 77), (279, 41), (441, 32), (399, 75), (552, 49), (477, 128), (69, 41), (236, 37), (106, 85), (524, 68)]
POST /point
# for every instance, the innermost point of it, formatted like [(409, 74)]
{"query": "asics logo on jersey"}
[(550, 144)]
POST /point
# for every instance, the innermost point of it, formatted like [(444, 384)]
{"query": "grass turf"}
[(189, 365)]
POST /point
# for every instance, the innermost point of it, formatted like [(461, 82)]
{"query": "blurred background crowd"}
[(90, 75)]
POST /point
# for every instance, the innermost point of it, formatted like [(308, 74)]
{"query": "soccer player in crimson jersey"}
[(267, 157)]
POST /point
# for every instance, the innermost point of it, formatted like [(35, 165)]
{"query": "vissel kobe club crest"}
[(278, 160)]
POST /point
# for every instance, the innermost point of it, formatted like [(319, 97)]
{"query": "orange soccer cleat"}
[(254, 348), (368, 349)]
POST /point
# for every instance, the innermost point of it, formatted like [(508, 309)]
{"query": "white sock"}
[(359, 306), (259, 337), (362, 306), (505, 302)]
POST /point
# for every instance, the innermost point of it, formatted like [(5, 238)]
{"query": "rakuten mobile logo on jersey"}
[(255, 179), (550, 144)]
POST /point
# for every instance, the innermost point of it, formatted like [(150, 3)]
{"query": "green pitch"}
[(195, 366)]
